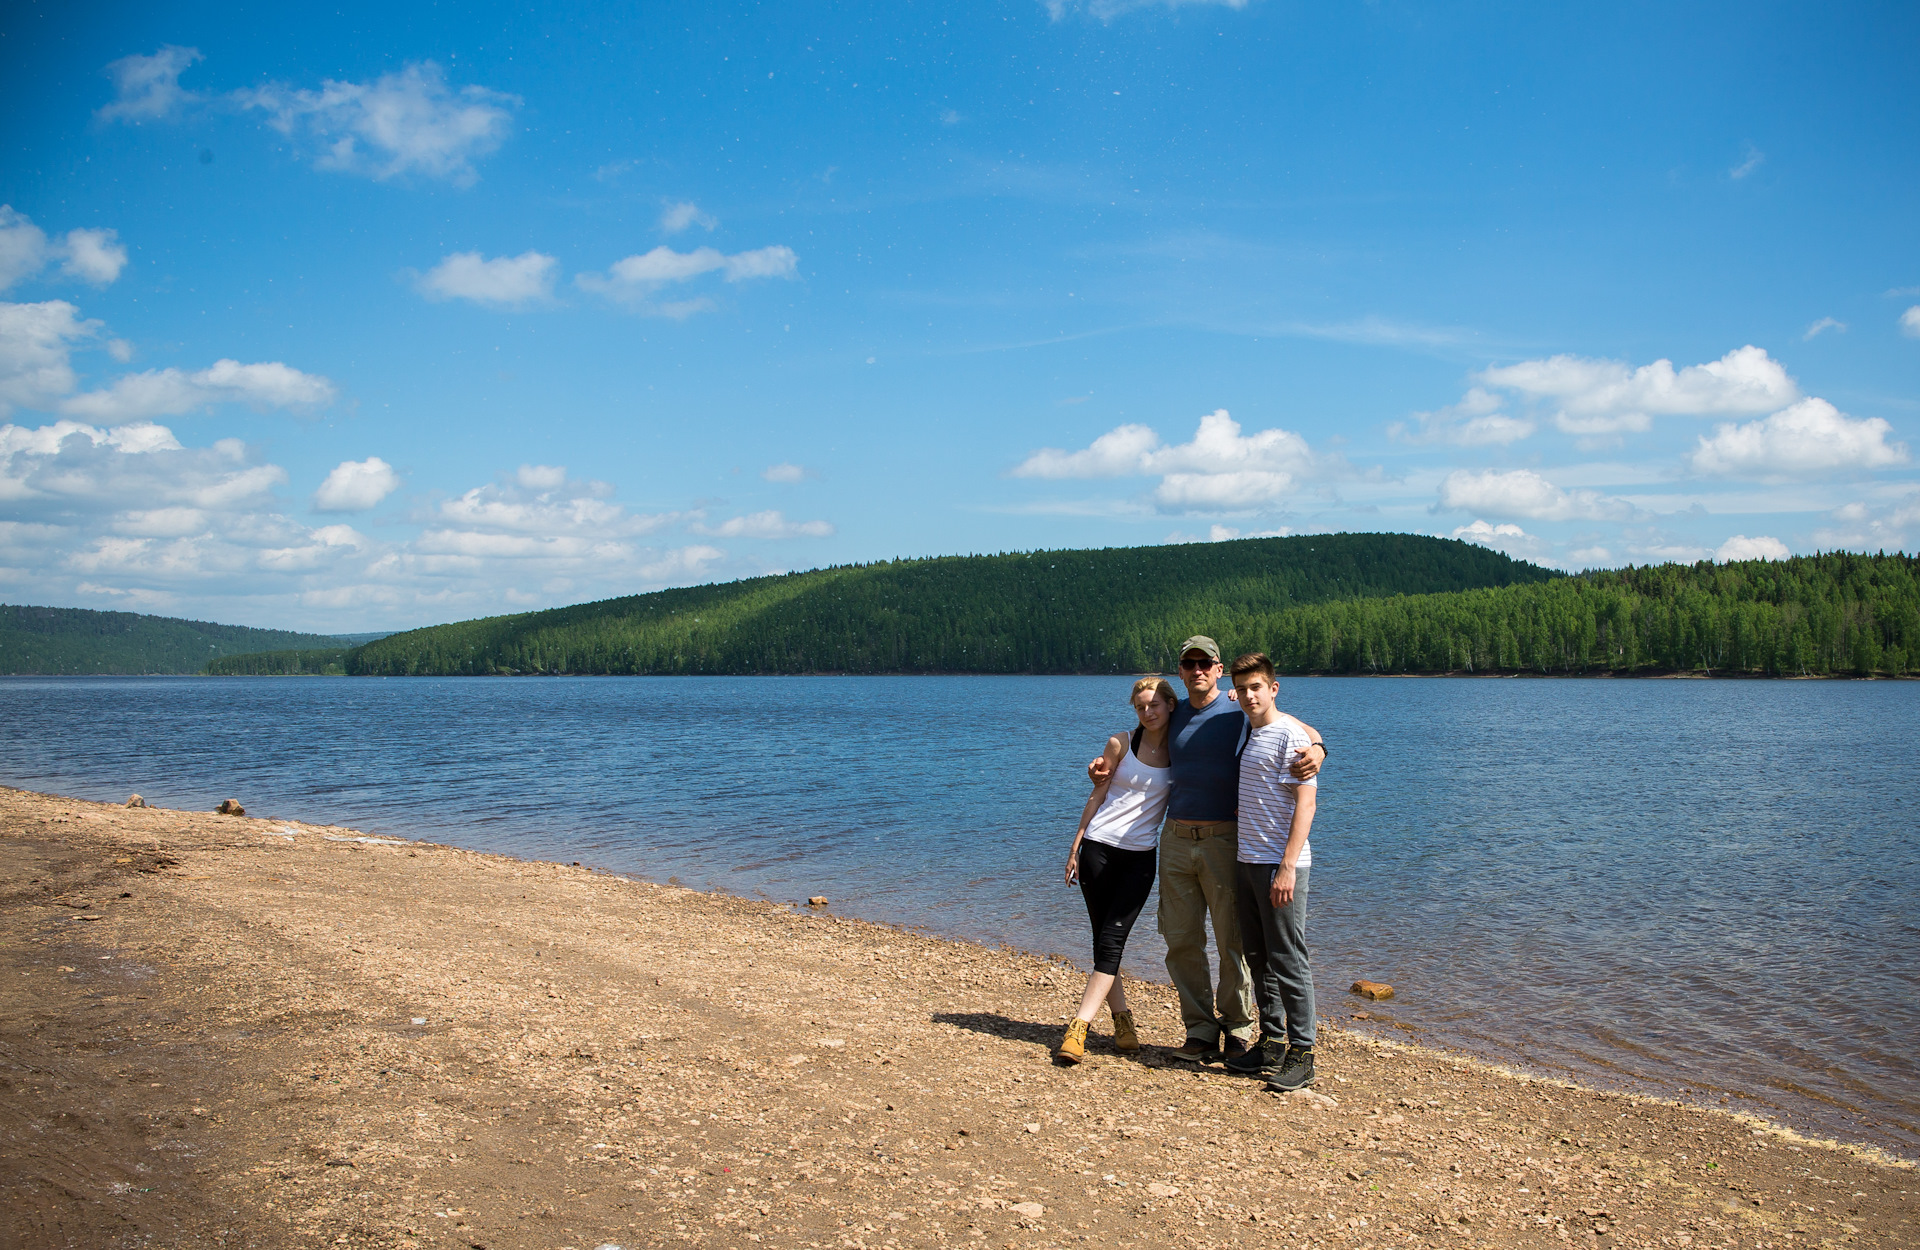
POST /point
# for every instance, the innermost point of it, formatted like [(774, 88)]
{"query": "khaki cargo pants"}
[(1196, 882)]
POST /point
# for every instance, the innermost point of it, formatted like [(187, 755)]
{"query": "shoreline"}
[(310, 1034)]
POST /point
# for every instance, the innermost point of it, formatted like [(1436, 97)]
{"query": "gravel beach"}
[(231, 1031)]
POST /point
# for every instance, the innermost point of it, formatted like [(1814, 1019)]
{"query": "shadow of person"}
[(1045, 1036)]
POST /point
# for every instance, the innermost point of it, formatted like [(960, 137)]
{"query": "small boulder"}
[(1372, 990), (1029, 1210), (134, 800), (818, 900), (230, 807)]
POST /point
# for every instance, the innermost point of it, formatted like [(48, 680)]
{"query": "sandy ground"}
[(216, 1034)]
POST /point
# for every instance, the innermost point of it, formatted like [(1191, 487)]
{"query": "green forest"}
[(1108, 611), (81, 641), (1820, 615)]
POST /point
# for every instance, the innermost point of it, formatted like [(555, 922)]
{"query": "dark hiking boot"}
[(1296, 1071), (1263, 1058), (1229, 1049)]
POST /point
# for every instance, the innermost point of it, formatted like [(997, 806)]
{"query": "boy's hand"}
[(1282, 892), (1100, 772), (1307, 761)]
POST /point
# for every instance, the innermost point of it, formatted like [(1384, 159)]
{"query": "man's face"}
[(1201, 672), (1255, 691)]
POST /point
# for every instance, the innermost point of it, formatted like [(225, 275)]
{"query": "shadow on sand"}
[(1046, 1036)]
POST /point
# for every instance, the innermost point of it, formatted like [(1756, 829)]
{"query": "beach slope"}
[(230, 1031)]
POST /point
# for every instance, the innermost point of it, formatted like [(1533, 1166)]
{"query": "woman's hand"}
[(1073, 863)]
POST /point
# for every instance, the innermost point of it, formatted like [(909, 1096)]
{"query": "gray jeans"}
[(1275, 942)]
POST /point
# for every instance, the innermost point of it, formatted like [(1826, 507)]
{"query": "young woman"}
[(1112, 858)]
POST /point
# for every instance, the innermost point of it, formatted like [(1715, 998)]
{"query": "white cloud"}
[(1227, 533), (148, 87), (542, 477), (1810, 438), (1107, 10), (1220, 469), (1603, 397), (35, 345), (1525, 494), (765, 525), (1753, 160), (400, 123), (1476, 421), (1867, 525), (1910, 322), (1507, 538), (1740, 547), (94, 256), (502, 282), (171, 392), (634, 279), (785, 472), (1823, 325), (356, 485), (678, 216)]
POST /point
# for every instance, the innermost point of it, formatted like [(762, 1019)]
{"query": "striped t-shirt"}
[(1266, 792)]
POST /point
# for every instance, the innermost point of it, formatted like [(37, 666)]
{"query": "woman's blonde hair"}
[(1159, 685)]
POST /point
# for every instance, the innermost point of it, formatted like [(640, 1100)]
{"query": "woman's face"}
[(1153, 708)]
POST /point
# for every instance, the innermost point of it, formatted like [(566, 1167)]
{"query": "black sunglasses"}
[(1197, 665)]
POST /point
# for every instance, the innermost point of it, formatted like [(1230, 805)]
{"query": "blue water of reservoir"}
[(1702, 889)]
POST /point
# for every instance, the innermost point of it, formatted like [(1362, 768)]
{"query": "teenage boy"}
[(1270, 883), (1197, 847)]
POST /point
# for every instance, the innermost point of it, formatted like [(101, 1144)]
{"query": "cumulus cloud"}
[(409, 122), (147, 88), (1505, 537), (172, 392), (1604, 397), (635, 279), (1107, 10), (504, 281), (1910, 322), (1220, 469), (356, 485), (36, 342), (765, 525), (1808, 439), (1525, 494), (1476, 421), (91, 255), (784, 472), (1740, 547), (678, 216)]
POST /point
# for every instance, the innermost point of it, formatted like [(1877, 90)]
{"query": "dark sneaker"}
[(1263, 1058), (1296, 1071), (1229, 1047)]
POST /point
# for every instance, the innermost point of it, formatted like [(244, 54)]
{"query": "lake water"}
[(1702, 889)]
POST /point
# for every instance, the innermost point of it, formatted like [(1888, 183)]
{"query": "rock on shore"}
[(283, 1034)]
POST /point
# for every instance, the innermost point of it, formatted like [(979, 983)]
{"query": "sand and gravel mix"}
[(228, 1031)]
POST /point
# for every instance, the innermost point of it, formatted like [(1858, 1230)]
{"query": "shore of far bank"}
[(225, 1029)]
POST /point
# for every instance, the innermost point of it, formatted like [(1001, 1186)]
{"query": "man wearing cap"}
[(1198, 846)]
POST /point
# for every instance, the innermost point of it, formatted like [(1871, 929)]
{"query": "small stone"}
[(1031, 1210), (818, 900), (230, 807), (1372, 989), (1160, 1189), (1363, 1015), (1031, 1128), (134, 800)]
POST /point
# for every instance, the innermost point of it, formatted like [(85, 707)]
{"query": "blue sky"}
[(406, 313)]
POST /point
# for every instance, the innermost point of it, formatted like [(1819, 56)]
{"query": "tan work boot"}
[(1125, 1036), (1073, 1047)]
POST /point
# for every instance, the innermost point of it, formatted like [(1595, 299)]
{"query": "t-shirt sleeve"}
[(1297, 741)]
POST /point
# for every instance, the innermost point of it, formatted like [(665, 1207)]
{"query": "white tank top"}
[(1135, 806)]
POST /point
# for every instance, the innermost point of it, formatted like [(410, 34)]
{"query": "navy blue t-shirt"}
[(1204, 746)]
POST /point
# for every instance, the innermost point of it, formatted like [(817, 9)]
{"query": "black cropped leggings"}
[(1116, 884)]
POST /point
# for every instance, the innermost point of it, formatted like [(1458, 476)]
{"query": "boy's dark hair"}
[(1254, 662)]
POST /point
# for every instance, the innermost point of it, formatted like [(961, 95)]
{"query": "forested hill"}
[(1812, 616), (80, 641), (1110, 611)]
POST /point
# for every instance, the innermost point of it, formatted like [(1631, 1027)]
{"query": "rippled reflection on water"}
[(1692, 886)]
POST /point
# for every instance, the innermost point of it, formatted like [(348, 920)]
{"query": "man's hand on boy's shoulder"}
[(1307, 761)]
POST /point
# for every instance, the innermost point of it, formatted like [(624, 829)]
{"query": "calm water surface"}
[(1699, 888)]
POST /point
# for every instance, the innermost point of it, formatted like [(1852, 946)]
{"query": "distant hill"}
[(1106, 611), (79, 641)]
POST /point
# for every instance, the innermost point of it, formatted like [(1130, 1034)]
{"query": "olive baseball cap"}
[(1200, 642)]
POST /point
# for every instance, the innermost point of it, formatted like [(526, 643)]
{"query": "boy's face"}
[(1256, 692)]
